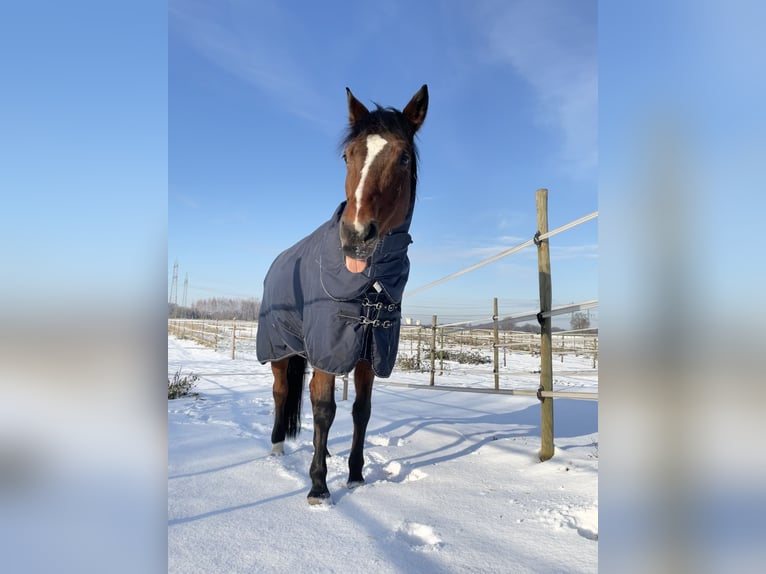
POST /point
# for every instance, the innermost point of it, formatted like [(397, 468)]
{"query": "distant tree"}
[(227, 308), (506, 324), (179, 312), (579, 320), (250, 309), (528, 328)]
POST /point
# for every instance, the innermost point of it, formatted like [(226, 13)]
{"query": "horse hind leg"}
[(287, 391), (363, 378), (279, 391)]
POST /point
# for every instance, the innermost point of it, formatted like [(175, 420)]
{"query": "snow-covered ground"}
[(453, 483)]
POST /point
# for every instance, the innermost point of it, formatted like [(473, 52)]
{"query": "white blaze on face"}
[(375, 144)]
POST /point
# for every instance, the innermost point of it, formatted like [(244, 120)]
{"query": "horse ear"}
[(416, 109), (356, 109)]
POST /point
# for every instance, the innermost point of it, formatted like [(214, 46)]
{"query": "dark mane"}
[(382, 121)]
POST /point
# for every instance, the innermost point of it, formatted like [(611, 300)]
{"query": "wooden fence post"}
[(345, 387), (496, 339), (420, 345), (233, 337), (595, 351), (433, 349), (505, 346), (546, 357), (441, 355)]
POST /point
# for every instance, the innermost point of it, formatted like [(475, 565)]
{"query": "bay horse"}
[(334, 298)]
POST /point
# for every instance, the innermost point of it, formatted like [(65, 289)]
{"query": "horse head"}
[(381, 161)]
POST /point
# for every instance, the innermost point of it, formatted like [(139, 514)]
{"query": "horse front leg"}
[(363, 378), (322, 389)]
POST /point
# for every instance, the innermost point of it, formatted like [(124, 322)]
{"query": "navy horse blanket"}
[(313, 306)]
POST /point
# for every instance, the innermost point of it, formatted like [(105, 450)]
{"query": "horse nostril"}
[(372, 232)]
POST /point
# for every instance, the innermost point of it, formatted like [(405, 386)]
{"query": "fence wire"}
[(505, 253)]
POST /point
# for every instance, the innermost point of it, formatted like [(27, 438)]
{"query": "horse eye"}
[(345, 159), (404, 159)]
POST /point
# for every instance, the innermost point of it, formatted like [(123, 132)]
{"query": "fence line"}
[(587, 330), (567, 226), (234, 336), (519, 392), (217, 335), (471, 322), (455, 348), (563, 310), (510, 251), (525, 316)]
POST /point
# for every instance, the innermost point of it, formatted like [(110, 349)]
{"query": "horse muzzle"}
[(358, 244)]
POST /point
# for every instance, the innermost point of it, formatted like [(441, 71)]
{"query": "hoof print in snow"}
[(383, 440), (587, 533), (419, 536), (396, 472), (415, 475), (393, 469)]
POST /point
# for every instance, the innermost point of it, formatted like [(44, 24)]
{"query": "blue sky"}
[(83, 142), (257, 106)]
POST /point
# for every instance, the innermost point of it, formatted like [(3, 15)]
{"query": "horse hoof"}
[(351, 484), (319, 497), (278, 449)]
